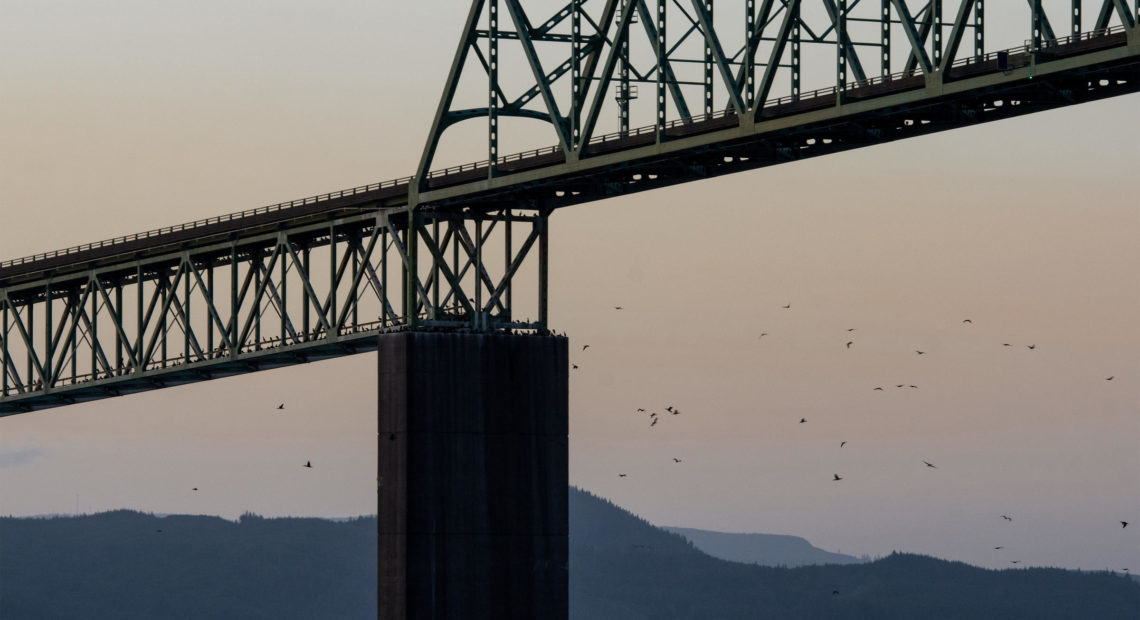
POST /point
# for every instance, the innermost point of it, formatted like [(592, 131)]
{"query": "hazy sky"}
[(122, 116)]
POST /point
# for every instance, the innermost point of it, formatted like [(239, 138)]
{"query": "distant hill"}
[(118, 565), (762, 549), (623, 568)]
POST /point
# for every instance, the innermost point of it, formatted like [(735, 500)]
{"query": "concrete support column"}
[(473, 476)]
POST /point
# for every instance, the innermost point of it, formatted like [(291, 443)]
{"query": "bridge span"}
[(445, 271)]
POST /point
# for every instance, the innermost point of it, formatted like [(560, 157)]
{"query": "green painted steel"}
[(322, 276)]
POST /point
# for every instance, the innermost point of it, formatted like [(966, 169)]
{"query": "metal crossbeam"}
[(157, 316)]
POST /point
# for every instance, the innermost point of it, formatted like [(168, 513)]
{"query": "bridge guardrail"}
[(436, 174)]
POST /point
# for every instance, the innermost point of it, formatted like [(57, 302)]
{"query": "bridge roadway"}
[(973, 90)]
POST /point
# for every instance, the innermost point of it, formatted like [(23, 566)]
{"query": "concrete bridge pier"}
[(473, 476)]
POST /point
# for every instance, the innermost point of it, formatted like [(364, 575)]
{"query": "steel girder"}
[(586, 45), (262, 299)]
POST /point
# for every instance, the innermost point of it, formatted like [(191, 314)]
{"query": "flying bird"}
[(1015, 561), (901, 385), (1006, 344), (930, 465), (914, 386), (787, 306), (621, 475), (574, 366), (834, 592), (309, 464), (1111, 378), (849, 343), (281, 406), (654, 423), (585, 346), (920, 352), (640, 410), (996, 548), (802, 420), (1031, 346), (669, 408), (618, 308), (1007, 518), (878, 389), (837, 477), (842, 443), (967, 321), (762, 334), (676, 460), (851, 329), (1123, 524), (194, 489)]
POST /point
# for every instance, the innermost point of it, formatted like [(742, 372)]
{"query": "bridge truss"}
[(466, 247)]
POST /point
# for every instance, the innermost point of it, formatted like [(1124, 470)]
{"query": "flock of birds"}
[(654, 417)]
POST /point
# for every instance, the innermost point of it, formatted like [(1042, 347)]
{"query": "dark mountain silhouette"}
[(762, 549), (119, 565), (621, 567)]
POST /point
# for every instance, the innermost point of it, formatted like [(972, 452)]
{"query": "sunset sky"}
[(122, 116)]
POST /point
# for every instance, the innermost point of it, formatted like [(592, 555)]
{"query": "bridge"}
[(732, 86)]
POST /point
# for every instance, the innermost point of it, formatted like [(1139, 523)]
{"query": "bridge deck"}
[(473, 181)]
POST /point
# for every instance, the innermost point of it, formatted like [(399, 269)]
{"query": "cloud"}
[(19, 457)]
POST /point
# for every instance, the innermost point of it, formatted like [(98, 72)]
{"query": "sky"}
[(123, 116)]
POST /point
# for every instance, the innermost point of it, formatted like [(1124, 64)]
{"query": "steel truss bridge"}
[(466, 247)]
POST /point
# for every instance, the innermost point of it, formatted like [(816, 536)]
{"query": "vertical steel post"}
[(284, 306), (165, 290), (305, 262), (623, 75), (575, 73), (543, 268), (435, 272), (708, 6), (257, 299), (979, 29), (478, 324), (936, 32), (356, 248), (384, 273), (492, 85), (121, 310), (795, 41), (840, 51), (186, 310), (508, 255), (662, 51), (411, 269), (4, 361), (749, 53), (885, 38), (49, 348), (94, 333), (234, 309), (1076, 15), (214, 303), (30, 376), (330, 316)]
